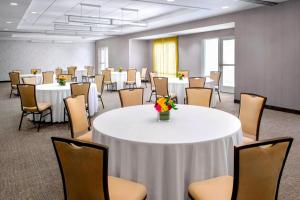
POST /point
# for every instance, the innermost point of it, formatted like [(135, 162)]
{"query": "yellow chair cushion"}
[(120, 189), (41, 106), (86, 137), (247, 140), (219, 188)]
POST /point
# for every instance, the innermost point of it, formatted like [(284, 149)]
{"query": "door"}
[(227, 64)]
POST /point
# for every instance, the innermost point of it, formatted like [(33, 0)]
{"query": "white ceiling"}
[(35, 19)]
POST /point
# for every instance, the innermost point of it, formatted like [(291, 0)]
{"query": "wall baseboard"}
[(4, 81), (286, 110)]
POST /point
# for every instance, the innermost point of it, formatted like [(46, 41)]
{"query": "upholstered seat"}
[(14, 81), (14, 86), (86, 137), (41, 107), (198, 96), (207, 189), (107, 79), (120, 189)]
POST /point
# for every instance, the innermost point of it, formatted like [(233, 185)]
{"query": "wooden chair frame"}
[(25, 113)]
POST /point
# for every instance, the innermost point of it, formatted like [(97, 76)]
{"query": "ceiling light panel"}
[(90, 20), (71, 27)]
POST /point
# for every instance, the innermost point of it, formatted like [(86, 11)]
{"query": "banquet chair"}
[(72, 71), (216, 77), (16, 70), (107, 80), (131, 97), (58, 71), (78, 119), (161, 88), (14, 81), (38, 71), (111, 69), (197, 82), (143, 75), (99, 80), (84, 172), (48, 77), (29, 104), (258, 169), (68, 77), (185, 73), (131, 78), (198, 96), (89, 74), (29, 80), (152, 85), (250, 114), (81, 89)]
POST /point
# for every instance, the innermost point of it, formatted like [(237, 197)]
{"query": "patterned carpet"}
[(29, 170)]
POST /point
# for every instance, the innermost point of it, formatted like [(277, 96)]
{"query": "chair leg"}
[(21, 121), (10, 93), (100, 97), (51, 115), (219, 95), (41, 115), (150, 96), (64, 115)]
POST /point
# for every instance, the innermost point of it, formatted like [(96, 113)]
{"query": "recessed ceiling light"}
[(225, 7), (13, 4), (33, 12), (170, 0), (8, 22)]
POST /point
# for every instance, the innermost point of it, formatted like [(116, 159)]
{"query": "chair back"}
[(185, 73), (251, 110), (107, 74), (81, 89), (216, 76), (29, 80), (199, 96), (131, 97), (99, 80), (83, 167), (58, 71), (38, 71), (197, 82), (89, 70), (144, 73), (161, 86), (14, 78), (72, 70), (68, 77), (131, 75), (111, 69), (152, 75), (77, 115), (48, 77), (27, 96), (258, 168)]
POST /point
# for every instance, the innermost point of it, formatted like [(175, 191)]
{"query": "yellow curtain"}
[(165, 56)]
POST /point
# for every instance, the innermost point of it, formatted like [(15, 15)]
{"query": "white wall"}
[(139, 54), (25, 55)]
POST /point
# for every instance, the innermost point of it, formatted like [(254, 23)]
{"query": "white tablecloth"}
[(166, 157), (121, 77), (54, 94), (178, 86)]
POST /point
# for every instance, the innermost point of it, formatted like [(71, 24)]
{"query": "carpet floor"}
[(29, 170)]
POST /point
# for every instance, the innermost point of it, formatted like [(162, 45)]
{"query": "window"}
[(211, 56), (103, 58), (228, 66), (165, 56)]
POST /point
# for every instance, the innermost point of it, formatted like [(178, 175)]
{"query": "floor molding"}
[(4, 81), (286, 110)]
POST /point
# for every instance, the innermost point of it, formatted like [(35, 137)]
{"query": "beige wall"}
[(267, 50)]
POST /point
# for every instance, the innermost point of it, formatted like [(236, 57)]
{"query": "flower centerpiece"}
[(34, 71), (120, 69), (62, 80), (163, 107), (180, 76)]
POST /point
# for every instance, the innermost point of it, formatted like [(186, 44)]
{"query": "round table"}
[(196, 144), (178, 86), (54, 94), (121, 77)]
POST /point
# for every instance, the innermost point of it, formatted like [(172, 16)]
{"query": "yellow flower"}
[(161, 101)]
